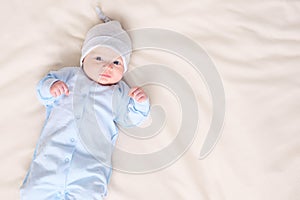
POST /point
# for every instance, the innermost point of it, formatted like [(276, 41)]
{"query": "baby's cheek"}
[(118, 76), (91, 72)]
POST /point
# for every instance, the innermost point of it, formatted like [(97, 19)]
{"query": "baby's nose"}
[(109, 65)]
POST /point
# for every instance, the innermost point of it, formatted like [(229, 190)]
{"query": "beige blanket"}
[(254, 46)]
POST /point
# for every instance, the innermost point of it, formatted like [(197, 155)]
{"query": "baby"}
[(83, 105)]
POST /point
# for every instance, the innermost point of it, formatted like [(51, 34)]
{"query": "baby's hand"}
[(138, 94), (58, 88)]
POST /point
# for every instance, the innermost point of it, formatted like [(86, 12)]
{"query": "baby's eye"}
[(117, 62), (98, 58)]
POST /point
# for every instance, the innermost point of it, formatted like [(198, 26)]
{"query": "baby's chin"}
[(107, 82)]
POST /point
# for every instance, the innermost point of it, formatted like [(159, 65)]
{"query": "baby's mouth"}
[(105, 75)]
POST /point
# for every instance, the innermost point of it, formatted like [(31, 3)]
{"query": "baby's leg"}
[(41, 192), (86, 185), (87, 195)]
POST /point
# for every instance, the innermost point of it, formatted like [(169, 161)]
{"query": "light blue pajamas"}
[(63, 165)]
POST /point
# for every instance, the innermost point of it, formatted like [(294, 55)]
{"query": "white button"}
[(72, 140), (67, 160)]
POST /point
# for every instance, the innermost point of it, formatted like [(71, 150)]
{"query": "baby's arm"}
[(131, 106), (53, 85)]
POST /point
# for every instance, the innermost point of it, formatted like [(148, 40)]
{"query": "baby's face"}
[(104, 66)]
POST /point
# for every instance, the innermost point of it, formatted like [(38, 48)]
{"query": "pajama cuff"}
[(142, 106), (45, 89)]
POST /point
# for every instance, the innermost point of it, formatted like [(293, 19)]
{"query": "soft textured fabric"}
[(255, 46), (63, 166)]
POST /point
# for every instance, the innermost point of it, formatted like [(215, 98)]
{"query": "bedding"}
[(249, 53)]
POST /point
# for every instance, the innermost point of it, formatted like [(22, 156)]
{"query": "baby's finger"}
[(139, 96), (65, 89), (140, 99), (137, 93), (55, 93), (59, 89), (52, 92), (132, 91)]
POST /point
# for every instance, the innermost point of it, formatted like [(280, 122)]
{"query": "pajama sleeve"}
[(43, 87), (127, 111)]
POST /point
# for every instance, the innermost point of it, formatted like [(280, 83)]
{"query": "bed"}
[(223, 81)]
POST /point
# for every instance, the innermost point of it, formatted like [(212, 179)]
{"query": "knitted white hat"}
[(109, 34)]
